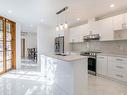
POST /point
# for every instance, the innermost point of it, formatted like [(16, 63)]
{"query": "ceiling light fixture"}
[(61, 26), (112, 5)]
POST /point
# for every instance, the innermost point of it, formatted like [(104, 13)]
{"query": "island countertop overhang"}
[(67, 58)]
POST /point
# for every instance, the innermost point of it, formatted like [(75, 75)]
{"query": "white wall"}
[(31, 40), (45, 40), (18, 46)]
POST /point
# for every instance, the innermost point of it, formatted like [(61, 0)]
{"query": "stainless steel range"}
[(91, 61)]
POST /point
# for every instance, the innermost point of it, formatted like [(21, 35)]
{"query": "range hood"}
[(91, 37)]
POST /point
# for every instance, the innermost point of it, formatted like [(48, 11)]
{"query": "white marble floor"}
[(30, 65), (101, 86), (27, 82)]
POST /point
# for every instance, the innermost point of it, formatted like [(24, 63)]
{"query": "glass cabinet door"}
[(8, 46), (1, 46)]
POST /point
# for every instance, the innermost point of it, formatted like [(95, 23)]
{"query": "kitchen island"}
[(69, 72)]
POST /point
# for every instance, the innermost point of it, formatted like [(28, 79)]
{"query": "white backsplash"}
[(113, 47)]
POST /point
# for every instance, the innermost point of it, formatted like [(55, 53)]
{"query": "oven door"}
[(92, 64)]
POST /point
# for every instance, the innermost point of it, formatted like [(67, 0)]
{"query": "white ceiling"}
[(30, 12)]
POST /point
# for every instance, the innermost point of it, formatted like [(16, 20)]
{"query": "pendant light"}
[(61, 27), (57, 26), (65, 24)]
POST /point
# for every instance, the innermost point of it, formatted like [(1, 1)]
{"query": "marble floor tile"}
[(101, 86), (32, 82)]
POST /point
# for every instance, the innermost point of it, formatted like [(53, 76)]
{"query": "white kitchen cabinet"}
[(113, 67), (93, 28), (84, 29), (118, 22), (125, 18), (106, 29), (102, 65), (76, 34), (117, 68)]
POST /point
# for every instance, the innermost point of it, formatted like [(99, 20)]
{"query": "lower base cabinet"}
[(113, 67), (117, 68), (102, 65)]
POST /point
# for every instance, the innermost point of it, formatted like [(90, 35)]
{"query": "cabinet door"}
[(83, 31), (125, 20), (76, 34), (106, 29), (72, 35), (102, 65), (118, 22), (117, 70), (93, 28)]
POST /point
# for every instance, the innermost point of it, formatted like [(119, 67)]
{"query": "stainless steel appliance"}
[(59, 45), (91, 61), (92, 37)]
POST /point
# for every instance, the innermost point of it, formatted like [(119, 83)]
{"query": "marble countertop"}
[(68, 58)]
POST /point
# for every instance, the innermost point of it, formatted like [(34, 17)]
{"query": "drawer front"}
[(117, 70), (117, 59), (120, 67), (117, 75)]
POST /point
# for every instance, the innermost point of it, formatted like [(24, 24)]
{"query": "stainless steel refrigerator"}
[(59, 45)]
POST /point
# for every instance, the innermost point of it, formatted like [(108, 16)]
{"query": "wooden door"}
[(10, 45), (2, 62), (23, 48)]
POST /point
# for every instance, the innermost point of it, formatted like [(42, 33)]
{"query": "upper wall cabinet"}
[(106, 30), (109, 29), (76, 34), (120, 22), (93, 27), (125, 19)]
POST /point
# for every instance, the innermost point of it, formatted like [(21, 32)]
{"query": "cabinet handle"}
[(120, 67), (121, 76), (119, 59)]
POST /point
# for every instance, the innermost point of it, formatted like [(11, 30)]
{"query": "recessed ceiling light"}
[(78, 19), (9, 11), (112, 5)]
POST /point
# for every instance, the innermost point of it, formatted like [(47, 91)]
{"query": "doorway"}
[(23, 48), (29, 51)]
